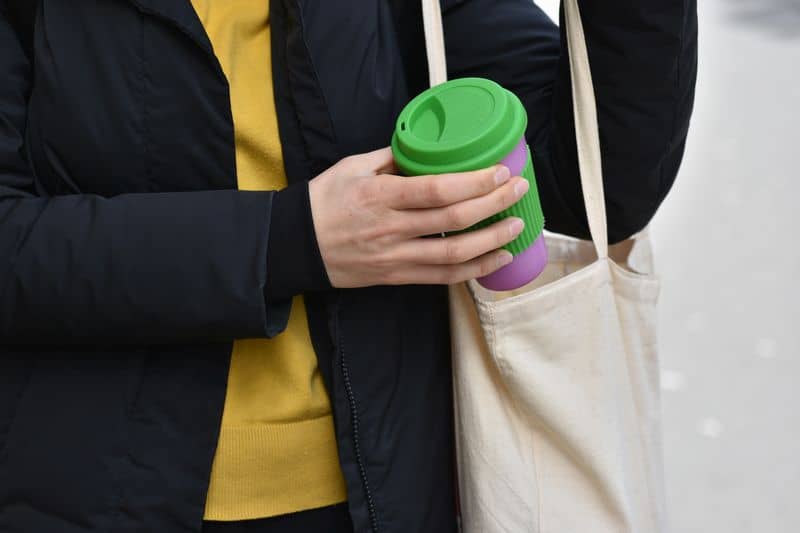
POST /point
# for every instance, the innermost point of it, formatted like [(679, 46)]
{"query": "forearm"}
[(644, 67), (171, 267), (643, 60)]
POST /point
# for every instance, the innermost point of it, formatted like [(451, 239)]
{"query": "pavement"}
[(729, 262)]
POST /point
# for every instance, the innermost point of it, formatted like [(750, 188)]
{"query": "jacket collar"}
[(179, 13)]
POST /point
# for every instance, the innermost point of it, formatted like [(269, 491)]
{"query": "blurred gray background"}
[(727, 252)]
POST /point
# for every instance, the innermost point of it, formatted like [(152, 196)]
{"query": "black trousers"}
[(333, 519)]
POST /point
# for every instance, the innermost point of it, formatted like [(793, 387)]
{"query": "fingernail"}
[(521, 188), (516, 226), (504, 258), (502, 175)]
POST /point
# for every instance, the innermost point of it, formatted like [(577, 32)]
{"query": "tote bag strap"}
[(434, 41), (586, 129)]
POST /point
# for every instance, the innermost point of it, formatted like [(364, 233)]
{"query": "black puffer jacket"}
[(129, 261)]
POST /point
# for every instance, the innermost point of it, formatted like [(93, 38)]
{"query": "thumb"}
[(378, 162)]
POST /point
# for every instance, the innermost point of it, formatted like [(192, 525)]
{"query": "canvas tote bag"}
[(556, 384)]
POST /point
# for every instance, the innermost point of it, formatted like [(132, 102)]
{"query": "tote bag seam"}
[(647, 280), (538, 291), (643, 447), (505, 369)]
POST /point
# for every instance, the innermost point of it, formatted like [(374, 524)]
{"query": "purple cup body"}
[(527, 265)]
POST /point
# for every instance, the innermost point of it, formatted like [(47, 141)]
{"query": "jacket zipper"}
[(373, 516)]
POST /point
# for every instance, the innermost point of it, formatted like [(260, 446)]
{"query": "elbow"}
[(630, 209), (624, 222)]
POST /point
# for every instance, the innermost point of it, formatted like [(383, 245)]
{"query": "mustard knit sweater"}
[(277, 451)]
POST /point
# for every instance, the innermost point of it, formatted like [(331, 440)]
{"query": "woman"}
[(189, 344)]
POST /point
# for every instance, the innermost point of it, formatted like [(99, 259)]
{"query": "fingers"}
[(443, 189), (460, 248), (464, 214), (449, 274)]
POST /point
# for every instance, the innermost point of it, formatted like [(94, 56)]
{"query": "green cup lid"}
[(464, 124)]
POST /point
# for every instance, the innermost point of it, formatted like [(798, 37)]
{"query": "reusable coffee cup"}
[(469, 124)]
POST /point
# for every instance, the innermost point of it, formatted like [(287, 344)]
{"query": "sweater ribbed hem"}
[(272, 469)]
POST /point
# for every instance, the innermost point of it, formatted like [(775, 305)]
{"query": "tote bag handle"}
[(434, 41), (583, 101)]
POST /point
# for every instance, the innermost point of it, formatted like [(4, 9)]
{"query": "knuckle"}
[(394, 227), (447, 276), (507, 199), (454, 218), (433, 191), (387, 261), (502, 236), (383, 186), (453, 252), (474, 184), (366, 193), (389, 278), (511, 195), (414, 226), (376, 235), (498, 205), (460, 274), (389, 272), (486, 266), (366, 236), (404, 194), (487, 179)]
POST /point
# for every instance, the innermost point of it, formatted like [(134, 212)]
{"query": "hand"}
[(370, 223)]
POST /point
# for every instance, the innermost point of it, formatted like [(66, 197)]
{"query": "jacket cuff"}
[(294, 262)]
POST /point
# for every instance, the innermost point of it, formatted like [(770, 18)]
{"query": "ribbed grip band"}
[(528, 208)]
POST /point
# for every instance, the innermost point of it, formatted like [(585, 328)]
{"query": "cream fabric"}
[(556, 384)]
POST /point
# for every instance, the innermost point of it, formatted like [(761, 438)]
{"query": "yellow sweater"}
[(277, 451)]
